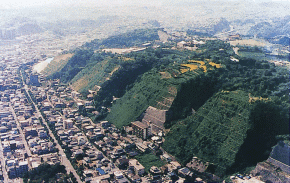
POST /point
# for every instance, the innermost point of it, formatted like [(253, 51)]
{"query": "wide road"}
[(64, 160)]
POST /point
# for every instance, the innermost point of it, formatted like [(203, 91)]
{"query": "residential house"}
[(136, 166), (141, 130), (67, 124)]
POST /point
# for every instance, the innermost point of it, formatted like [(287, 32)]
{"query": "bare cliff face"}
[(269, 172), (280, 156)]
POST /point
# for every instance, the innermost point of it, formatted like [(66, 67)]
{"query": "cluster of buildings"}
[(100, 149), (62, 109), (103, 152), (281, 63), (152, 123), (7, 34), (12, 150), (22, 135)]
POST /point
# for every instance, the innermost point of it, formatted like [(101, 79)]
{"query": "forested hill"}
[(230, 131), (192, 88), (133, 38), (239, 105), (89, 66), (224, 112)]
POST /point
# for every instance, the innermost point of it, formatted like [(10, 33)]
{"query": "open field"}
[(40, 66), (62, 57), (249, 42), (254, 55), (252, 180), (191, 67), (122, 50), (165, 75), (148, 160)]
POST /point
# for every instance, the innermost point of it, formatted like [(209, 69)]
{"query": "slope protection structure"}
[(280, 156), (174, 96), (214, 133), (152, 91), (156, 118), (57, 63), (94, 74), (88, 66)]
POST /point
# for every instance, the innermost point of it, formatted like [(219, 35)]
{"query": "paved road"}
[(5, 175), (21, 132), (64, 160)]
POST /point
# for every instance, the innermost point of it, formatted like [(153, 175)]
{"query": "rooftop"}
[(140, 124)]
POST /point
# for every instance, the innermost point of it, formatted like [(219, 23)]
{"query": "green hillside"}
[(96, 73), (74, 65), (129, 39), (85, 68), (177, 94), (131, 72), (192, 88), (224, 112), (214, 133), (156, 80), (231, 130), (57, 64), (145, 93), (228, 131)]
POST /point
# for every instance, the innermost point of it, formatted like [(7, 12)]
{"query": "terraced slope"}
[(231, 131), (87, 77), (150, 91), (179, 94), (95, 74), (214, 133), (57, 63)]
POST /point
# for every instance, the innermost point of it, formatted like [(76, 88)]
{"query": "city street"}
[(21, 132), (64, 160)]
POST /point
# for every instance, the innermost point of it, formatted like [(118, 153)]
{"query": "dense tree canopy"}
[(44, 173)]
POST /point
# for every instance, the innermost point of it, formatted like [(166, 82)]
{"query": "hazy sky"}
[(11, 4), (30, 3)]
